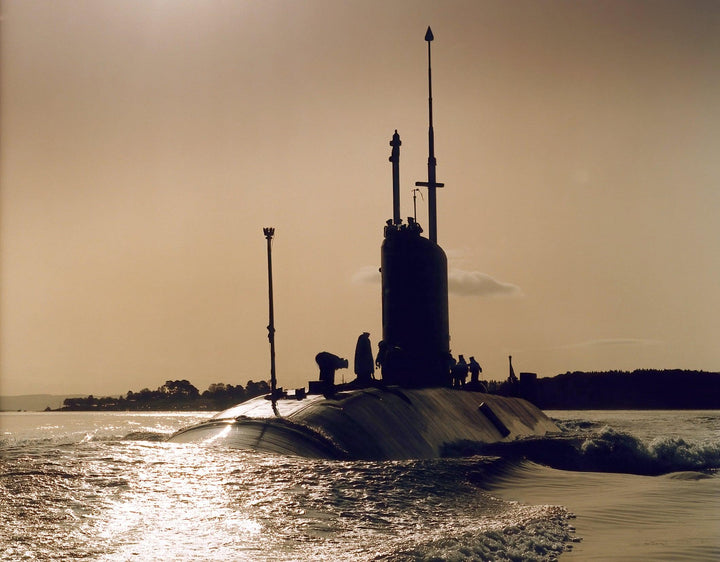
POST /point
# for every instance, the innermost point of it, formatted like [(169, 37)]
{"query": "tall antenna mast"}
[(269, 233), (431, 183)]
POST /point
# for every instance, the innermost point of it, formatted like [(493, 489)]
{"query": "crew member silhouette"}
[(475, 370), (459, 372), (450, 363), (414, 226), (329, 363), (364, 364), (382, 353)]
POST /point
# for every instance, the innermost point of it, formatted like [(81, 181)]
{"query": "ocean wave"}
[(573, 426), (145, 436), (529, 533), (36, 472), (138, 435), (13, 446), (608, 450), (626, 453)]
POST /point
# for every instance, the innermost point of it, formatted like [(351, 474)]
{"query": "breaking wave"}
[(610, 450)]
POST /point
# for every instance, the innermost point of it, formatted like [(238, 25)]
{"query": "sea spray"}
[(606, 450)]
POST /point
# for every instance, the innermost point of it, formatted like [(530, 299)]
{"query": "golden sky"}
[(146, 143)]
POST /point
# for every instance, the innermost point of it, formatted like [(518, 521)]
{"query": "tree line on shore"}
[(666, 389), (640, 389), (173, 395)]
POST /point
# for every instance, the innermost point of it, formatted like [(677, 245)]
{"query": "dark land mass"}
[(610, 390), (173, 395), (618, 390)]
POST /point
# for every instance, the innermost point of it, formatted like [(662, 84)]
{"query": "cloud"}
[(367, 275), (476, 284), (462, 283)]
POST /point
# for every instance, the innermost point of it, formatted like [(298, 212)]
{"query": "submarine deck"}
[(373, 423)]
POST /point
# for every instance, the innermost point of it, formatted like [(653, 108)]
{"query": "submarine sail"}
[(415, 349)]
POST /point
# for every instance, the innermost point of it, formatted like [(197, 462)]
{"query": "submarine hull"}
[(373, 423)]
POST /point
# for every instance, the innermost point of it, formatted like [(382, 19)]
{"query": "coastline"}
[(644, 389)]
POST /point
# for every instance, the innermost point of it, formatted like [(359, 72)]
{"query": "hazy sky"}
[(146, 143)]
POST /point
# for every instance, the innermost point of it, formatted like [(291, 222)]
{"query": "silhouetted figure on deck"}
[(389, 227), (414, 226), (459, 372), (450, 362), (364, 363), (328, 364), (475, 370), (381, 354), (391, 360)]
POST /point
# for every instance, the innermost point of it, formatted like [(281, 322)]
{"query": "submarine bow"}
[(373, 424)]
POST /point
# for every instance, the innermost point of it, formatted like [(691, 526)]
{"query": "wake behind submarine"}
[(412, 413)]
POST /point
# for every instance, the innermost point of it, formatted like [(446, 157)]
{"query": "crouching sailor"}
[(329, 363)]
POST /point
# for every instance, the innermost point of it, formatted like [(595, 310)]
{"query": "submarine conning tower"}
[(415, 348), (416, 336)]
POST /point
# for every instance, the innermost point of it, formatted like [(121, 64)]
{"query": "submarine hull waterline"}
[(373, 423)]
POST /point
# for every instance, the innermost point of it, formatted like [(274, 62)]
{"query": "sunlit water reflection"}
[(80, 492), (107, 487)]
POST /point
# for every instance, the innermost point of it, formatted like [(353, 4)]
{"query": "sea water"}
[(105, 486)]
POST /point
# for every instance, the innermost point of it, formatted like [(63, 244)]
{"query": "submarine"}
[(412, 412)]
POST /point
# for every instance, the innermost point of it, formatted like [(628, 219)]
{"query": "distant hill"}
[(33, 402), (620, 390)]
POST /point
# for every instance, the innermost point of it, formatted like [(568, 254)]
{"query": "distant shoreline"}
[(200, 409), (642, 389), (173, 396), (608, 390)]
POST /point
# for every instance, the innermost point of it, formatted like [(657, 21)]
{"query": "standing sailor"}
[(475, 370), (364, 363)]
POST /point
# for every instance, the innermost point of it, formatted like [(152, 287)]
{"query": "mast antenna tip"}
[(429, 35)]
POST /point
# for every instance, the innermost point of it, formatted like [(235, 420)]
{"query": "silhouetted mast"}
[(431, 184), (395, 159), (415, 194), (269, 233)]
